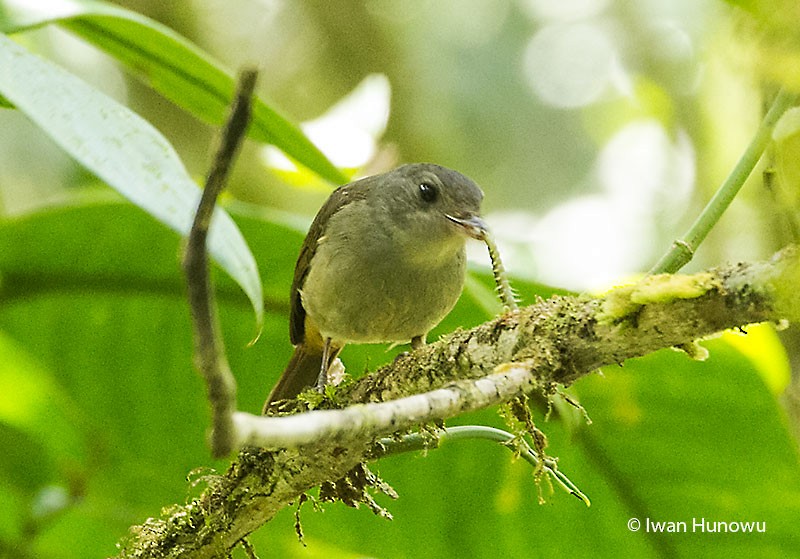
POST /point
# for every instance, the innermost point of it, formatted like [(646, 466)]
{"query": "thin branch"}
[(683, 249), (368, 420), (209, 352), (423, 440)]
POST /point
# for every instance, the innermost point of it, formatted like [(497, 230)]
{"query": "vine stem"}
[(683, 249), (425, 441)]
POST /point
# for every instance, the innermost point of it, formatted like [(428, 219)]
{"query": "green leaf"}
[(16, 467), (681, 440), (38, 408), (123, 150), (171, 65), (105, 317)]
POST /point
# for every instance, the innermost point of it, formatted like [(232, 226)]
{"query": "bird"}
[(384, 261)]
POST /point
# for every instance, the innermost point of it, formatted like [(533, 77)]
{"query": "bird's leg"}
[(322, 379), (416, 343)]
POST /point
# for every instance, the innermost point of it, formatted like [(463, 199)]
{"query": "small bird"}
[(384, 261)]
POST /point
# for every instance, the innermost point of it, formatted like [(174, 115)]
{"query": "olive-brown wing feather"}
[(338, 199)]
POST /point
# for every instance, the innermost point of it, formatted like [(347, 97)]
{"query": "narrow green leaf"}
[(171, 65), (123, 150)]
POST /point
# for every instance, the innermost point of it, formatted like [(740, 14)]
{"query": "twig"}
[(209, 351), (683, 249), (359, 422), (423, 441)]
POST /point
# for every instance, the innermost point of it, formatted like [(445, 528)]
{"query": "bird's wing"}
[(338, 199)]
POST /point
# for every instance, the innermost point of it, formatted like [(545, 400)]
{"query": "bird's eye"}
[(428, 192)]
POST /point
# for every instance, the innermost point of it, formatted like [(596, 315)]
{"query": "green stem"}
[(424, 441), (683, 249)]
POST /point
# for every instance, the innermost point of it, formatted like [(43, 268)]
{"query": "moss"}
[(355, 489), (623, 302), (664, 288), (617, 305)]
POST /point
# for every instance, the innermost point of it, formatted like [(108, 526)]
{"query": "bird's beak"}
[(472, 225)]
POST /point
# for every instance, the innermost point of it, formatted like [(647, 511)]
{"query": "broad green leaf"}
[(106, 245), (17, 470), (123, 150), (168, 63), (680, 440), (671, 438), (38, 408)]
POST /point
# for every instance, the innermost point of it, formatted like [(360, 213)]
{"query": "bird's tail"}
[(301, 373)]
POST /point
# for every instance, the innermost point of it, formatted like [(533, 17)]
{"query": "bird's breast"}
[(371, 290)]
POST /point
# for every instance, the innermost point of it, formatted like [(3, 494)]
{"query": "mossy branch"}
[(552, 342)]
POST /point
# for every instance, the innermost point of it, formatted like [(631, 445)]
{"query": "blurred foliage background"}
[(598, 130)]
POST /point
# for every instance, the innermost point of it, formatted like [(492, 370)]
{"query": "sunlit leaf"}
[(168, 63), (763, 347), (122, 149), (349, 131), (38, 407)]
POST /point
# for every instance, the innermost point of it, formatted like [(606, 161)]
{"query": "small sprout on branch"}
[(298, 526), (248, 549), (694, 350)]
